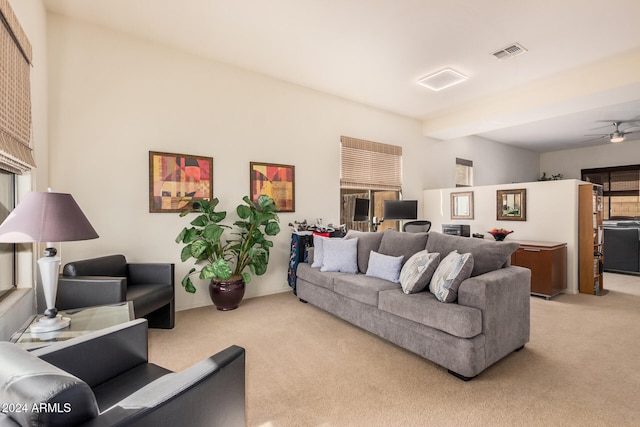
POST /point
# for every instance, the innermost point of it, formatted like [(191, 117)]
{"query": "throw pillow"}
[(451, 271), (418, 271), (395, 243), (367, 242), (488, 255), (340, 255), (385, 267), (318, 250)]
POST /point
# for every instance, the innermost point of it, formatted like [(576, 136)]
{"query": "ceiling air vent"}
[(509, 52)]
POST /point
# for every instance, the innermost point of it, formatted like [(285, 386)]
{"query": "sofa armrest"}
[(503, 296), (101, 355), (151, 273), (210, 393), (85, 291)]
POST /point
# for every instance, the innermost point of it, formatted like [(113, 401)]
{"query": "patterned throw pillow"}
[(451, 271), (340, 255), (384, 266), (418, 270)]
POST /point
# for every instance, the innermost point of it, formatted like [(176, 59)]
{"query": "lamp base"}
[(48, 324)]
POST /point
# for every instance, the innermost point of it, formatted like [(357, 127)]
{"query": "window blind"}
[(615, 181), (370, 165), (15, 94)]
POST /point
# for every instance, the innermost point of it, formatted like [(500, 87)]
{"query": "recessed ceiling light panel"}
[(442, 79)]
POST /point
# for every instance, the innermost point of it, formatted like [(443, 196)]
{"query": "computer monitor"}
[(400, 209), (361, 211)]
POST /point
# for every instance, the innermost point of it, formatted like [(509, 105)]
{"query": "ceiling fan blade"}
[(601, 135), (594, 139)]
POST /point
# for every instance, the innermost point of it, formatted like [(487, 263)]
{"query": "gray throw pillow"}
[(395, 243), (367, 242), (340, 255), (451, 272), (385, 267), (418, 271), (488, 255)]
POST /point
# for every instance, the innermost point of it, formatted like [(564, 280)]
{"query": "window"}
[(464, 173), (7, 250), (372, 171), (621, 190), (16, 155)]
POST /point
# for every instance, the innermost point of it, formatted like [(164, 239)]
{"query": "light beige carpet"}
[(305, 367)]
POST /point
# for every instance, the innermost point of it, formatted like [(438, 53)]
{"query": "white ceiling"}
[(582, 66)]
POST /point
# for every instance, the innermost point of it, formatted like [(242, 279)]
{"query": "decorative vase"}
[(226, 294), (500, 234)]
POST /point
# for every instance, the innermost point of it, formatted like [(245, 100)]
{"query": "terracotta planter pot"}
[(226, 294)]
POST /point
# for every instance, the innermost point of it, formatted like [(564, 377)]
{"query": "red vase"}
[(226, 294)]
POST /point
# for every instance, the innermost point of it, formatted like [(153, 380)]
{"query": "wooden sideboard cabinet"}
[(548, 264)]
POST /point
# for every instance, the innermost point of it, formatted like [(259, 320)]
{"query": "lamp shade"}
[(46, 217)]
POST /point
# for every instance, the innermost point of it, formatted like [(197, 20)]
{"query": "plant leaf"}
[(198, 248), (188, 285), (243, 211), (246, 277), (272, 228)]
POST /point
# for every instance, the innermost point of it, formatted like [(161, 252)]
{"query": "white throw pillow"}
[(385, 266), (318, 250), (418, 271), (451, 271), (340, 255)]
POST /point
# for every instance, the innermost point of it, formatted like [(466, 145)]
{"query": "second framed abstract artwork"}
[(276, 181)]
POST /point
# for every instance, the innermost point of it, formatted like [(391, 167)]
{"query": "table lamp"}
[(47, 217)]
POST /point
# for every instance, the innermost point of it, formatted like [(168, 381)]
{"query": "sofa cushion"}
[(367, 242), (418, 270), (395, 243), (362, 288), (488, 255), (458, 320), (315, 276), (340, 255), (451, 271)]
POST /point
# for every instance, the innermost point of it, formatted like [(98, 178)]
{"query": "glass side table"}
[(83, 321)]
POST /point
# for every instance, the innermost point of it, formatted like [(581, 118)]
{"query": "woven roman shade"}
[(370, 165), (15, 94)]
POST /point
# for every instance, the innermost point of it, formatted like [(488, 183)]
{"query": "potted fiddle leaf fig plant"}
[(222, 254)]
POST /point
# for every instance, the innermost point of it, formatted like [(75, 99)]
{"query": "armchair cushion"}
[(109, 370), (28, 384), (111, 279)]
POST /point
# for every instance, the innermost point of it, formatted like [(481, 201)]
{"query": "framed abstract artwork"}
[(177, 180), (276, 181)]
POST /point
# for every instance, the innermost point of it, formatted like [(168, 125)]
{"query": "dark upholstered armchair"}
[(104, 378), (112, 279)]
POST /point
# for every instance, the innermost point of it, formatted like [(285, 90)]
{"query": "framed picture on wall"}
[(511, 205), (274, 180), (178, 180), (462, 205)]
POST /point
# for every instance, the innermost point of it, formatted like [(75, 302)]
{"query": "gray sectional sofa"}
[(488, 320)]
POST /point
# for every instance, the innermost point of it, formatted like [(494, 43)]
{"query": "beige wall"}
[(114, 98), (551, 215), (570, 162)]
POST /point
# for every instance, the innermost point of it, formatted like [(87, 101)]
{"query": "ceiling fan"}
[(617, 135)]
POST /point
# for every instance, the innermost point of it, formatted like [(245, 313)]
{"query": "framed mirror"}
[(462, 205), (512, 205)]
